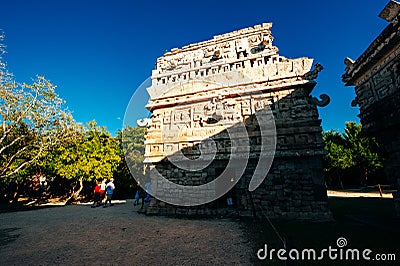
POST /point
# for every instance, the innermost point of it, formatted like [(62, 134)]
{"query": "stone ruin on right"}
[(375, 76)]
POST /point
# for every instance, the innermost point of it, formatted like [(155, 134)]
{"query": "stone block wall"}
[(375, 76), (207, 89), (294, 187)]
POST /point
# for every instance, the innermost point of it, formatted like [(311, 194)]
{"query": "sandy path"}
[(356, 194), (117, 235)]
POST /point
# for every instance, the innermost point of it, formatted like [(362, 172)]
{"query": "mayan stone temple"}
[(375, 76), (203, 91)]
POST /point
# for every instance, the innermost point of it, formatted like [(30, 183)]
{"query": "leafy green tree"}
[(33, 119), (92, 154), (132, 148), (363, 150), (350, 152), (336, 160), (132, 141)]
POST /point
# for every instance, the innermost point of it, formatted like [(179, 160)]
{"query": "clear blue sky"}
[(99, 52)]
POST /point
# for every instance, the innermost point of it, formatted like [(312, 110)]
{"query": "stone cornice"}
[(377, 51)]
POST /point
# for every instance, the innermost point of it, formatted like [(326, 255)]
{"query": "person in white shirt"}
[(109, 192), (103, 190)]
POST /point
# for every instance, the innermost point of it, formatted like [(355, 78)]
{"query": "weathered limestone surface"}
[(206, 88), (376, 77)]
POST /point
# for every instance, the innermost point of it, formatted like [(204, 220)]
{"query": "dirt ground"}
[(118, 235)]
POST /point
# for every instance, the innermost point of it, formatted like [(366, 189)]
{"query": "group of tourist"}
[(142, 194), (103, 192)]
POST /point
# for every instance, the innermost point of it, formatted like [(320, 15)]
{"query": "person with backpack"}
[(109, 192)]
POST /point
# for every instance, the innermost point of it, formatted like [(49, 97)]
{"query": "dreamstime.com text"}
[(330, 253)]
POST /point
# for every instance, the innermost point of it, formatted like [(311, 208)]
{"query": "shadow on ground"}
[(8, 235), (366, 223), (80, 235)]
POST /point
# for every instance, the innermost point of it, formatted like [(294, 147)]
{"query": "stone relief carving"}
[(396, 72), (145, 122), (314, 73), (228, 51), (325, 100), (255, 40), (205, 89), (375, 75), (195, 93)]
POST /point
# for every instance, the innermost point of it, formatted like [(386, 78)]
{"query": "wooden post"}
[(380, 189)]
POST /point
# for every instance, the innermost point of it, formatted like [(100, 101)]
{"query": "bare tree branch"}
[(33, 120)]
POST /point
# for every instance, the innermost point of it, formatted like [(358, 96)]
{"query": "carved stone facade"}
[(376, 77), (206, 88)]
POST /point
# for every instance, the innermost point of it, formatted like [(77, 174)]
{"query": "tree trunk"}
[(366, 175), (75, 194), (340, 180), (15, 194)]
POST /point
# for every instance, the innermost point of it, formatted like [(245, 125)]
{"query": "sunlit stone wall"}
[(203, 89)]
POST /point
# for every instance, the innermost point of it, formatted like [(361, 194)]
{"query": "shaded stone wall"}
[(294, 187), (376, 77), (206, 89)]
